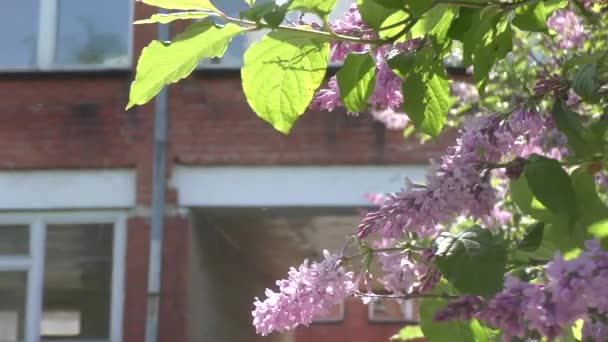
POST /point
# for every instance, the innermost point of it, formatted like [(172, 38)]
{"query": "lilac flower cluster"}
[(569, 28), (460, 183), (310, 290), (402, 274), (576, 289), (391, 119), (387, 93)]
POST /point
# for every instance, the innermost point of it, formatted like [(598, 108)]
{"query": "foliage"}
[(507, 239)]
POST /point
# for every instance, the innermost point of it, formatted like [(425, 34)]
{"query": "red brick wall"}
[(355, 327)]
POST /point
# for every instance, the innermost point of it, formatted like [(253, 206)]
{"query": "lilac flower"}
[(505, 310), (594, 330), (465, 307), (387, 92), (350, 23), (576, 289), (375, 198), (402, 274), (310, 290), (391, 119), (569, 28), (328, 98), (459, 184)]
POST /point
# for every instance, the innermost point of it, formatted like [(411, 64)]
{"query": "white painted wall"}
[(337, 186), (67, 189)]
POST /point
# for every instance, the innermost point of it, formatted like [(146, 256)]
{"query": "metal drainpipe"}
[(158, 204)]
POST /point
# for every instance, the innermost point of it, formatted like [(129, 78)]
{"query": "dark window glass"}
[(14, 240), (12, 305), (77, 282)]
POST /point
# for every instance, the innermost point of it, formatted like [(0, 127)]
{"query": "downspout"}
[(158, 204)]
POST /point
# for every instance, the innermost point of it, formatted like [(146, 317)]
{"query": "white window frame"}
[(33, 263), (407, 311), (48, 26)]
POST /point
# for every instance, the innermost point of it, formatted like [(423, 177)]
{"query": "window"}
[(334, 315), (391, 310), (233, 58), (66, 34), (67, 282)]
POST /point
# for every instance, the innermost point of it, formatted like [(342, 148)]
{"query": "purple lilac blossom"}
[(575, 289), (311, 290), (569, 28), (391, 119), (402, 275), (458, 184)]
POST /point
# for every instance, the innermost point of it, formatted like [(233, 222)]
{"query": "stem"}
[(410, 296), (321, 34)]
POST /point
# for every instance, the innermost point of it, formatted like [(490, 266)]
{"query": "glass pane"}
[(388, 310), (77, 282), (92, 34), (12, 305), (14, 240), (19, 26)]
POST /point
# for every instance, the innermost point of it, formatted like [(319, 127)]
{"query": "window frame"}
[(408, 311), (46, 43), (33, 263)]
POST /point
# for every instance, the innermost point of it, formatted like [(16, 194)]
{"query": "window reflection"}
[(12, 305), (92, 34), (19, 26), (77, 281)]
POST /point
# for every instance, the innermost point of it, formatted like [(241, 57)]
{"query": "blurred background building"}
[(241, 203)]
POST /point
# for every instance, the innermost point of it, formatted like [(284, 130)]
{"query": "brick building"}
[(242, 202)]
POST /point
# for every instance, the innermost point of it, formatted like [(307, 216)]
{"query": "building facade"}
[(242, 201)]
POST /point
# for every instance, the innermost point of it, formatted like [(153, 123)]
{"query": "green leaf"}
[(428, 97), (533, 238), (496, 46), (526, 202), (320, 7), (161, 64), (393, 3), (474, 261), (584, 83), (599, 229), (431, 19), (480, 32), (281, 74), (165, 18), (590, 206), (439, 33), (408, 333), (551, 185), (183, 4), (250, 2), (533, 17), (356, 80), (401, 63), (580, 138), (418, 7), (450, 331), (377, 16), (462, 23), (272, 13)]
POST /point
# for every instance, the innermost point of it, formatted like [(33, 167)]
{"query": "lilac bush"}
[(508, 234)]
